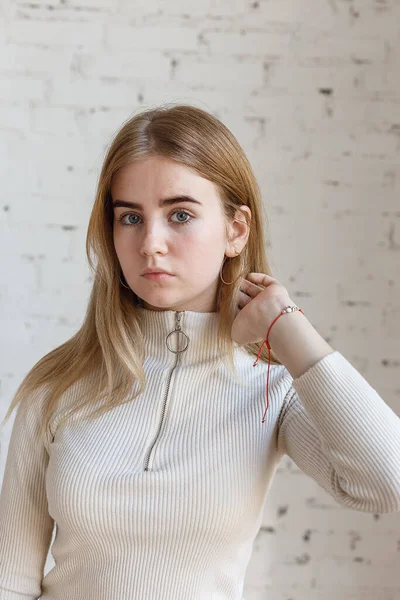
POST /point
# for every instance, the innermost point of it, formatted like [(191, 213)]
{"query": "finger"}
[(250, 287), (243, 298), (245, 290), (260, 278)]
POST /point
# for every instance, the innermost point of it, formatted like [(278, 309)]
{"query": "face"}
[(187, 239)]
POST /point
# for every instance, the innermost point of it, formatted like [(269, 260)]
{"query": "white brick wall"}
[(312, 91)]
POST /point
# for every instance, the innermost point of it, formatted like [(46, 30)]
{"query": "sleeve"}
[(338, 430), (25, 524)]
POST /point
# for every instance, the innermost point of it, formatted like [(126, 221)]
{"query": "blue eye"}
[(135, 215)]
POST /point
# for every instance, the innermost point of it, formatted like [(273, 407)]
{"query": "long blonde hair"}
[(108, 349)]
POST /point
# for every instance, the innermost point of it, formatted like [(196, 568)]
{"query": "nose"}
[(154, 240)]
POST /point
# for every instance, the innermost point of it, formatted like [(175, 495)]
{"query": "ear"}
[(239, 230)]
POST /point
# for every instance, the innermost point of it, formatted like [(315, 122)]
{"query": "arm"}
[(333, 424), (25, 525)]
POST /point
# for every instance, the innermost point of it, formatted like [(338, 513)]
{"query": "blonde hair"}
[(108, 349)]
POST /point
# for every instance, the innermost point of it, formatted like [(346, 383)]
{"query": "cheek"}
[(204, 234), (118, 242), (123, 249), (200, 250), (195, 243), (122, 239)]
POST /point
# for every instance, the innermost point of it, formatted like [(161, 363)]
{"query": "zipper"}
[(185, 338)]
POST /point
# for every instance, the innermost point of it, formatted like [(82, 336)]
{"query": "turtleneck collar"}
[(199, 327)]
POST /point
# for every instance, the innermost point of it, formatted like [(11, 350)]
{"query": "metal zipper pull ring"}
[(178, 331)]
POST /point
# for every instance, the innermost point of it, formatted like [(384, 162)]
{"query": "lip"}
[(150, 271), (157, 276)]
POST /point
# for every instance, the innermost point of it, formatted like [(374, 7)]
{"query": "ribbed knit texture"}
[(162, 498)]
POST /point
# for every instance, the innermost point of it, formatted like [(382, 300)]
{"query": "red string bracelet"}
[(287, 309)]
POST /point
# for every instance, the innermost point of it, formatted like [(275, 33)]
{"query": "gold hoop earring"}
[(240, 274), (122, 283)]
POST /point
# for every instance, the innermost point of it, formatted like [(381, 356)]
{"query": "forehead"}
[(158, 176)]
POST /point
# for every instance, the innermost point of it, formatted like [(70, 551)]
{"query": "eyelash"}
[(176, 211)]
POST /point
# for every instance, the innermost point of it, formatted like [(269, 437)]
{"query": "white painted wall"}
[(312, 92)]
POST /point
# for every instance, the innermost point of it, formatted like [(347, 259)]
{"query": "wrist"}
[(279, 309), (281, 329), (296, 343)]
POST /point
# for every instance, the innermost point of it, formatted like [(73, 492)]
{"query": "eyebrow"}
[(162, 202)]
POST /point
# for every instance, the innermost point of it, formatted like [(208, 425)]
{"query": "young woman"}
[(149, 439)]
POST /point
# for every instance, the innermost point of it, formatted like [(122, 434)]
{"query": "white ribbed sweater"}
[(161, 498)]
